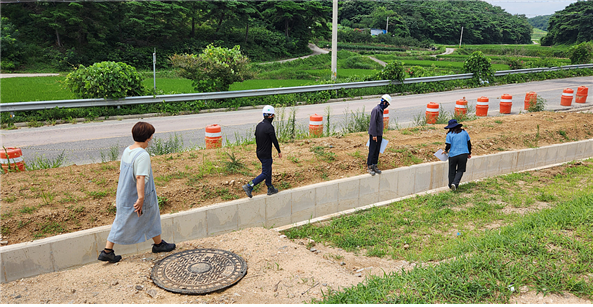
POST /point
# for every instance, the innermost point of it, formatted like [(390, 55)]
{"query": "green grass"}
[(481, 248), (33, 89), (538, 34)]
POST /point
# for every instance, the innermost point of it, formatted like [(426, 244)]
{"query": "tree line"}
[(573, 24), (65, 34)]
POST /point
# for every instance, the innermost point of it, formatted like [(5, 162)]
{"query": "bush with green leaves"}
[(215, 69), (581, 53), (392, 71), (109, 80), (480, 66)]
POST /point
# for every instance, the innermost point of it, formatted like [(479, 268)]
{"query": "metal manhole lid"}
[(198, 271)]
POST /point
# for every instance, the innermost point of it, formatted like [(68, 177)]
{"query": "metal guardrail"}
[(100, 102)]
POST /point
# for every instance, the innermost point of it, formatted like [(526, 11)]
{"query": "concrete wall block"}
[(508, 162), (252, 212), (189, 226), (478, 166), (303, 204), (589, 149), (582, 148), (26, 260), (388, 184), (326, 198), (369, 190), (74, 249), (422, 178), (348, 192), (551, 154), (493, 165), (541, 156), (440, 174), (279, 209), (530, 158), (222, 219), (561, 153), (405, 181), (571, 150)]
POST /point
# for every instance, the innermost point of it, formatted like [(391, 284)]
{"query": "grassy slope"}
[(481, 248)]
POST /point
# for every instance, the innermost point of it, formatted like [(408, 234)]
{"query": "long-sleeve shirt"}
[(376, 126), (265, 135)]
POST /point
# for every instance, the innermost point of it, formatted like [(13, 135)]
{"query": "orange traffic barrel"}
[(460, 107), (482, 106), (386, 119), (316, 125), (213, 136), (530, 100), (506, 102), (432, 113), (582, 93), (566, 99), (12, 158)]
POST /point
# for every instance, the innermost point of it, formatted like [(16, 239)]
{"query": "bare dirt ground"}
[(280, 271), (44, 203)]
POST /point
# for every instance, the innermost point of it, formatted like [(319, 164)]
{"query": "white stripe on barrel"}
[(432, 110), (213, 135), (568, 94), (480, 103), (315, 123), (12, 160), (506, 100), (461, 106)]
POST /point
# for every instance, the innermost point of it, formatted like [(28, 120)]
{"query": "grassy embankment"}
[(531, 231)]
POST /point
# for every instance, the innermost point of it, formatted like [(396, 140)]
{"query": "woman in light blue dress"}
[(138, 217)]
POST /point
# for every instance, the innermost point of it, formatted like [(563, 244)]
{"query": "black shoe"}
[(111, 257), (377, 171), (163, 247), (453, 187), (247, 188), (371, 170), (272, 190)]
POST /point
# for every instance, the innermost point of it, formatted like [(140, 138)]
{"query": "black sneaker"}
[(111, 257), (453, 187), (272, 190), (371, 170), (377, 171), (163, 247), (247, 188)]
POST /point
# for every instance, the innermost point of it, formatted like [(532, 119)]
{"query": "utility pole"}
[(460, 37), (154, 69), (335, 41), (387, 26)]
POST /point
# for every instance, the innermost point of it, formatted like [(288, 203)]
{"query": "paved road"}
[(84, 142), (26, 75)]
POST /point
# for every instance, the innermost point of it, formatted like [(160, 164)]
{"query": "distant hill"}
[(573, 24), (540, 22)]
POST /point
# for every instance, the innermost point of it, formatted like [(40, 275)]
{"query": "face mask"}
[(383, 106), (269, 119)]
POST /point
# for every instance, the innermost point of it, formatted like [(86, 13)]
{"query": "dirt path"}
[(280, 271), (314, 49), (447, 51), (378, 61)]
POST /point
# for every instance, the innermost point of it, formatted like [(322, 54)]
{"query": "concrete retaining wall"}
[(287, 207)]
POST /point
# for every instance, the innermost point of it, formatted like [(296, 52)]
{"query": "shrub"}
[(215, 69), (581, 53), (480, 66), (515, 63), (108, 80), (392, 71)]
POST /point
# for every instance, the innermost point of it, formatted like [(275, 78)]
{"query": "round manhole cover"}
[(198, 271)]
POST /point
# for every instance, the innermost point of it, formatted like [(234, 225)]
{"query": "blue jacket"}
[(376, 126)]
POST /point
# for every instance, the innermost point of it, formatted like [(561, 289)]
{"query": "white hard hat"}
[(268, 110), (387, 98)]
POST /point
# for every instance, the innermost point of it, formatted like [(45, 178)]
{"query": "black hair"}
[(142, 131), (456, 129)]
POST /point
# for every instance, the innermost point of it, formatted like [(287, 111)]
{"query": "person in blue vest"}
[(265, 136), (137, 217), (376, 134), (459, 148)]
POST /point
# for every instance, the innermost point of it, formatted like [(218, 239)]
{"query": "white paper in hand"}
[(383, 145), (443, 156)]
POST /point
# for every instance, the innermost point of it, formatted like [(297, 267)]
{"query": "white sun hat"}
[(268, 110)]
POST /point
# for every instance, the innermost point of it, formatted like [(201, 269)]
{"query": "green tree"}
[(581, 53), (12, 50), (108, 80), (571, 25), (214, 70), (480, 66)]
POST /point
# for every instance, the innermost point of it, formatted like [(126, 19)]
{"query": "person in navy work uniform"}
[(265, 136), (459, 147), (137, 217), (376, 134)]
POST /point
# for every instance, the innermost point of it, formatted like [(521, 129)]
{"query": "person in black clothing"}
[(376, 134), (265, 136)]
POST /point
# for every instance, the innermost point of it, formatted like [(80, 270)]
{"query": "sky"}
[(531, 8)]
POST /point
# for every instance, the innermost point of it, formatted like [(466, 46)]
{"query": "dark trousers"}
[(266, 173), (374, 148), (457, 168)]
